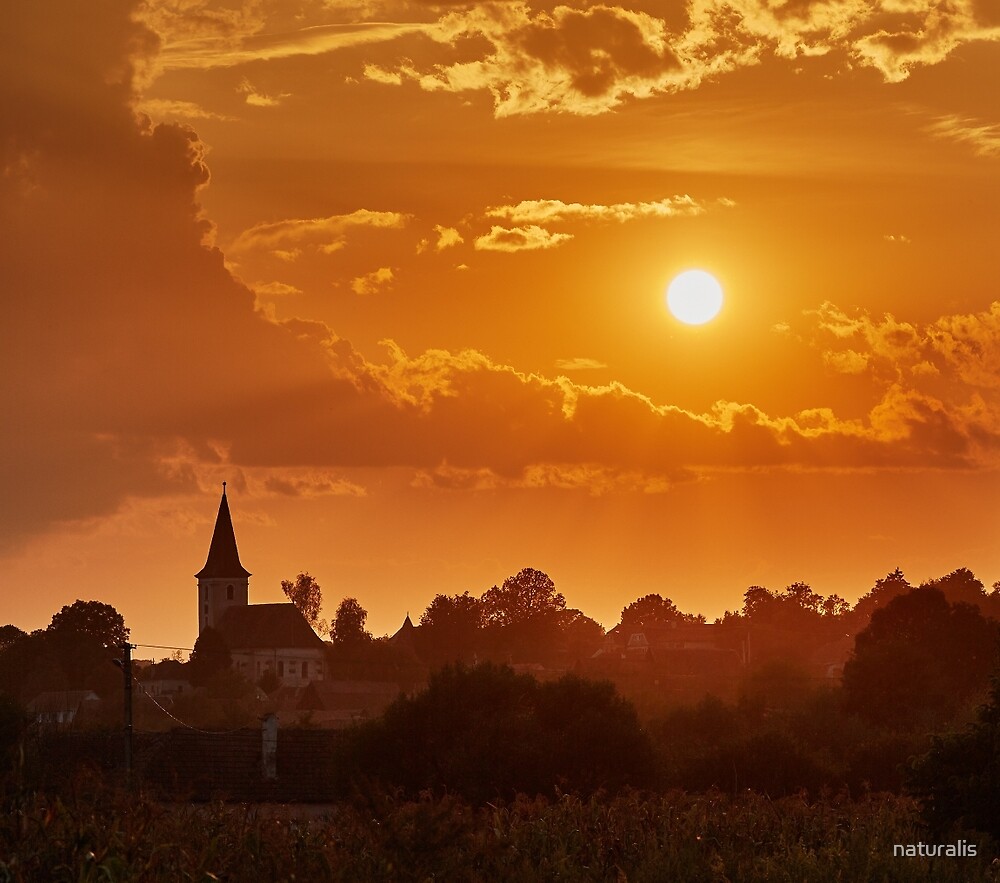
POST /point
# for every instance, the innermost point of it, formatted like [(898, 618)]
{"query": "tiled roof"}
[(267, 626), (330, 695)]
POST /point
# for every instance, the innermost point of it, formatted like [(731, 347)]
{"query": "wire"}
[(163, 647), (182, 723)]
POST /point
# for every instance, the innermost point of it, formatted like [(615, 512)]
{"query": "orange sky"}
[(395, 269)]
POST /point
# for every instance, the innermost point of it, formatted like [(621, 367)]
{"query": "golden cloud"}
[(546, 211), (511, 239), (984, 139), (372, 282), (588, 61), (328, 234)]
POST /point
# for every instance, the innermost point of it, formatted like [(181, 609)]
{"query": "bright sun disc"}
[(694, 297)]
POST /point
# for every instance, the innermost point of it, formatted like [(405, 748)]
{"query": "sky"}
[(395, 270)]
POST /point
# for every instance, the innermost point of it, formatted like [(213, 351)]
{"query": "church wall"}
[(294, 666)]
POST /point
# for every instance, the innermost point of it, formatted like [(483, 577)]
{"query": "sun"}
[(694, 297)]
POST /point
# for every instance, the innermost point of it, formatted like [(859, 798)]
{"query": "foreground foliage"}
[(486, 733), (93, 834)]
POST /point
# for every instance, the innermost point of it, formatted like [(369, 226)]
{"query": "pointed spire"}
[(223, 556)]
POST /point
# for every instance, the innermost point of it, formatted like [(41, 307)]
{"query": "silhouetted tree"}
[(10, 634), (958, 780), (92, 619), (581, 635), (919, 660), (348, 626), (528, 594), (892, 585), (305, 593), (85, 637), (653, 610), (486, 732), (450, 629), (961, 586), (210, 656)]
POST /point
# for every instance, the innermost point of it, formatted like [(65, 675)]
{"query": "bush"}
[(958, 779), (486, 732)]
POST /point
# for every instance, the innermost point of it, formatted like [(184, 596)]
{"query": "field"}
[(94, 833)]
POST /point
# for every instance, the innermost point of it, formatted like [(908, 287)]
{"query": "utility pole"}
[(127, 671)]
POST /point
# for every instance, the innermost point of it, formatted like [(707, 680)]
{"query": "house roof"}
[(267, 626), (333, 695), (223, 556), (404, 634)]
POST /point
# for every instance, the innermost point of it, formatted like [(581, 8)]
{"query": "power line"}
[(163, 647), (182, 723)]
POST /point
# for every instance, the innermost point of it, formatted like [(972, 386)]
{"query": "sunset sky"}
[(396, 271)]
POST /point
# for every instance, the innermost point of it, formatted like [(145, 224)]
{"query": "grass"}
[(94, 833)]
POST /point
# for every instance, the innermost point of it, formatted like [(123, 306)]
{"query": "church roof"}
[(223, 556), (267, 626)]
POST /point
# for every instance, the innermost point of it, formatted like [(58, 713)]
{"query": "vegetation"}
[(486, 733), (477, 771), (90, 835), (920, 661), (958, 779), (305, 593)]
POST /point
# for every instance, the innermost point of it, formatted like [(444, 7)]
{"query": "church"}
[(260, 637)]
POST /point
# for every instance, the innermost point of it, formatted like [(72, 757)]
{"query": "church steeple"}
[(223, 557), (223, 582)]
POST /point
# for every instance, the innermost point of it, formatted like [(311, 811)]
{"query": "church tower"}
[(223, 582)]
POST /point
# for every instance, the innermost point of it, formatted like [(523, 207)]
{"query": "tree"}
[(85, 637), (581, 635), (485, 732), (450, 629), (892, 585), (958, 780), (919, 661), (10, 634), (348, 626), (834, 605), (528, 594), (305, 593), (653, 610), (801, 595), (757, 601), (210, 656), (960, 585), (92, 619)]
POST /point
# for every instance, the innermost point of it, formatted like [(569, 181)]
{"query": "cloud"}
[(295, 483), (447, 237), (588, 61), (276, 289), (132, 361), (579, 364), (258, 99), (326, 234), (235, 48), (983, 139), (898, 239), (165, 108), (546, 211), (846, 361), (530, 238), (591, 478), (372, 282)]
